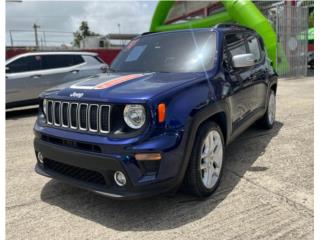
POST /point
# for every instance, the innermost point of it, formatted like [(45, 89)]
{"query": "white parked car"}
[(29, 74)]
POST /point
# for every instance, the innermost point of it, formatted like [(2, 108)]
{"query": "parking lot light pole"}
[(35, 27), (11, 39)]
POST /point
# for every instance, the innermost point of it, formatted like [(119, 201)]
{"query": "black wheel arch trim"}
[(192, 128)]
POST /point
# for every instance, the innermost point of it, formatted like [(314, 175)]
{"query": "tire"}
[(268, 119), (197, 178)]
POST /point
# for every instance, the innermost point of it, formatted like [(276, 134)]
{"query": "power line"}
[(46, 36), (54, 16), (27, 30), (29, 40)]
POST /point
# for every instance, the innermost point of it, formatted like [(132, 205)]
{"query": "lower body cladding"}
[(117, 175)]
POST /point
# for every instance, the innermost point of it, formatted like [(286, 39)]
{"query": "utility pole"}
[(11, 39), (35, 27), (121, 42)]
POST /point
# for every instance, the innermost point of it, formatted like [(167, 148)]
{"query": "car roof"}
[(57, 53), (177, 31), (225, 28), (232, 27)]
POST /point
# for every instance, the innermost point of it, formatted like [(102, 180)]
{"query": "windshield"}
[(191, 51)]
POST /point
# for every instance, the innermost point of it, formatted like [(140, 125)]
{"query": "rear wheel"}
[(268, 119), (206, 163)]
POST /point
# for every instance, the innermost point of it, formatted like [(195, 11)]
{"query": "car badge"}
[(77, 95)]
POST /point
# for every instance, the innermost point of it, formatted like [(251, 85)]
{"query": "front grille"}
[(64, 116), (49, 117), (93, 118), (81, 174), (79, 116), (104, 118), (57, 113), (83, 122)]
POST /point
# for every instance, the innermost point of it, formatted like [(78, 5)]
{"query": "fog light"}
[(120, 178), (40, 157)]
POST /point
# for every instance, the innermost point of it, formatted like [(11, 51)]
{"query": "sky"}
[(65, 16)]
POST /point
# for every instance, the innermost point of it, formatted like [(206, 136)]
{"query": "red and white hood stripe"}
[(92, 84)]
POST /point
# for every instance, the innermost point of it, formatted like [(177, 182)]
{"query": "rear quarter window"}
[(77, 59), (92, 60)]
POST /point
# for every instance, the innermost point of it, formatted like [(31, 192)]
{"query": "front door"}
[(242, 90), (18, 74), (259, 71)]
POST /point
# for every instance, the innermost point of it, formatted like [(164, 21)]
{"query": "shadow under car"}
[(163, 212)]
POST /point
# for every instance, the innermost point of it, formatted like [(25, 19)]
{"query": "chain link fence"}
[(292, 35), (291, 26)]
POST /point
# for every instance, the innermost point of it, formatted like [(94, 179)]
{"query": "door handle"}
[(36, 76), (74, 71)]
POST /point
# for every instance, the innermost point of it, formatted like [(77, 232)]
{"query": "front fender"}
[(187, 108), (191, 128)]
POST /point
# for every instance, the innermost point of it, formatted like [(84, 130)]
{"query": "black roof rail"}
[(231, 25), (146, 33)]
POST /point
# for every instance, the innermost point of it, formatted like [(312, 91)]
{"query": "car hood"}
[(122, 87)]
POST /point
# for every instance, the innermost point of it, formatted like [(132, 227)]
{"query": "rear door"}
[(60, 68), (241, 90)]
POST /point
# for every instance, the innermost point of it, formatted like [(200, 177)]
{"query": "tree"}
[(311, 19), (82, 33)]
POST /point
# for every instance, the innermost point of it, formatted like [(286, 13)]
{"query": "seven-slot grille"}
[(78, 116)]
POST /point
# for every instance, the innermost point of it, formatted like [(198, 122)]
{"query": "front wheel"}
[(268, 119), (206, 163)]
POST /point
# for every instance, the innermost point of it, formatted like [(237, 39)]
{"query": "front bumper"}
[(94, 170)]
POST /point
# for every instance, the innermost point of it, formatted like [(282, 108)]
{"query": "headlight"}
[(134, 116), (45, 106)]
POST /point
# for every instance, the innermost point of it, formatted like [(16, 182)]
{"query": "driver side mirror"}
[(7, 70), (243, 60)]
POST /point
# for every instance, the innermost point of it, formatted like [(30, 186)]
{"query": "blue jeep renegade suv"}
[(162, 115)]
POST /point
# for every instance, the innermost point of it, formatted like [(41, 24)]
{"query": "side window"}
[(91, 60), (236, 44), (58, 61), (77, 59), (26, 64), (254, 47), (99, 59), (226, 60)]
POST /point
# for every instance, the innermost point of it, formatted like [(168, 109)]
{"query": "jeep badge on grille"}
[(77, 95)]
